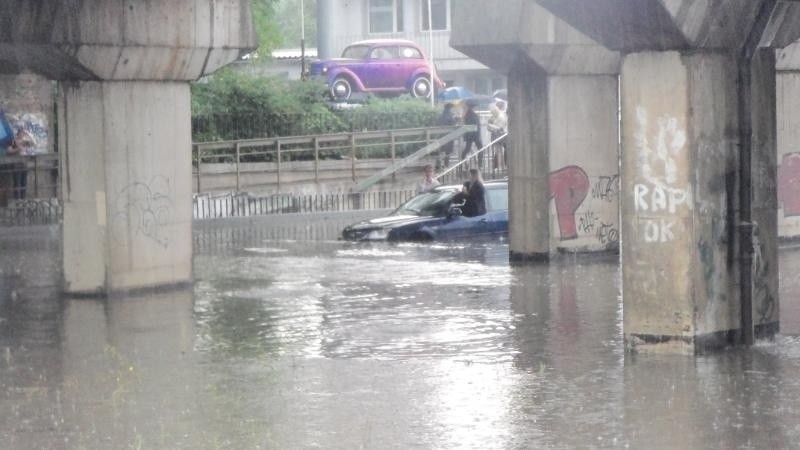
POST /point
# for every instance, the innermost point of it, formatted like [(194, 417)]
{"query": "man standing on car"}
[(474, 194), (472, 118)]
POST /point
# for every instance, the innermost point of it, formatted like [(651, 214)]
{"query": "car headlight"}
[(378, 235), (324, 70)]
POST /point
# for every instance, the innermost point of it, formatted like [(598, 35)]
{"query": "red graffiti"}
[(789, 184), (569, 187)]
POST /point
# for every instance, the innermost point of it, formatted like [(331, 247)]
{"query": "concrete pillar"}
[(584, 162), (763, 302), (788, 139), (528, 163), (563, 125), (124, 125), (325, 28), (682, 280), (127, 220), (563, 163)]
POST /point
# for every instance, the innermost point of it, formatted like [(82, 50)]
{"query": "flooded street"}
[(290, 339)]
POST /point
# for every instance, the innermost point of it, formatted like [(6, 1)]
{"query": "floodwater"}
[(290, 339)]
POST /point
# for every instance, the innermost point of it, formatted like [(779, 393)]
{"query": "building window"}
[(440, 11), (385, 16)]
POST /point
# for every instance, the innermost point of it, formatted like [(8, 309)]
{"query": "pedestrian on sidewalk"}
[(447, 119), (472, 118), (429, 181)]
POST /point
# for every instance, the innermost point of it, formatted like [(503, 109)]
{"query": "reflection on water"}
[(300, 341)]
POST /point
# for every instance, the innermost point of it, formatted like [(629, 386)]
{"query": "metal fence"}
[(29, 190), (357, 148), (491, 161), (245, 205)]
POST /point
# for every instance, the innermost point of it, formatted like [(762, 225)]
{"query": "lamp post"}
[(302, 41), (430, 52)]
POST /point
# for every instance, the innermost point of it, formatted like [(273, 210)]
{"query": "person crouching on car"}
[(473, 195), (429, 182)]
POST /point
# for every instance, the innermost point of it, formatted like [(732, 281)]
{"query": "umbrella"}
[(455, 93)]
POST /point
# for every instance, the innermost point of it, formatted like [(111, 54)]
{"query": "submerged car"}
[(436, 215), (380, 66)]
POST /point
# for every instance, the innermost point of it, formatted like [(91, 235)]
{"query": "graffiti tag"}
[(145, 209), (569, 187)]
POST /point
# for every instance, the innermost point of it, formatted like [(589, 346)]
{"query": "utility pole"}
[(430, 52), (302, 41)]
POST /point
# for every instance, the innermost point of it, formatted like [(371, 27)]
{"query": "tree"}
[(287, 13), (266, 24)]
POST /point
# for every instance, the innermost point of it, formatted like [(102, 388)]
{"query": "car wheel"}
[(421, 88), (341, 89)]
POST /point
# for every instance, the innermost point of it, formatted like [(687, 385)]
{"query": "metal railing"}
[(244, 205), (274, 153), (29, 190), (490, 160)]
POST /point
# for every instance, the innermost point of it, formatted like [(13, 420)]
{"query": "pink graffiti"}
[(569, 187), (789, 184)]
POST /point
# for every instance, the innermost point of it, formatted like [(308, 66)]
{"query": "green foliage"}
[(267, 26), (390, 114), (233, 106), (287, 14), (236, 106)]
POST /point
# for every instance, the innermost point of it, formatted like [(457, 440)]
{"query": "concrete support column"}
[(126, 180), (788, 138), (563, 163), (763, 209), (528, 163), (682, 126), (584, 162), (325, 27)]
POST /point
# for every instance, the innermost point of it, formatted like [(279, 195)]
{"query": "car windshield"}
[(356, 52), (428, 204)]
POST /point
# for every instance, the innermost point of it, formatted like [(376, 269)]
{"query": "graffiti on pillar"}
[(659, 192), (568, 187), (763, 300), (789, 184), (145, 209), (34, 127), (606, 188), (590, 223)]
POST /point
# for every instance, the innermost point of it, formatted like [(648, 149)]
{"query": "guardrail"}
[(29, 190), (489, 160), (210, 206), (355, 147), (32, 176)]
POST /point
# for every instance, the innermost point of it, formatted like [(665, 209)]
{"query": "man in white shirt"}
[(428, 182)]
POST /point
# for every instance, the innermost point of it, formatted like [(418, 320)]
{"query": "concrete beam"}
[(126, 39), (512, 27), (637, 25)]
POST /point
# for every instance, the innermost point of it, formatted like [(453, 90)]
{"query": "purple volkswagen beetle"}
[(381, 66)]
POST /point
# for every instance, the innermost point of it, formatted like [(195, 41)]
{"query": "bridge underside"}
[(698, 197), (124, 124)]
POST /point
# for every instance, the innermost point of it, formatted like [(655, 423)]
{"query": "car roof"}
[(386, 42), (487, 184)]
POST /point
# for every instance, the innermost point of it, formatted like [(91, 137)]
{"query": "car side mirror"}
[(454, 211)]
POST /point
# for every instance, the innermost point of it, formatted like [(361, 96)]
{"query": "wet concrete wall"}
[(788, 140), (679, 273), (584, 164), (123, 182)]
